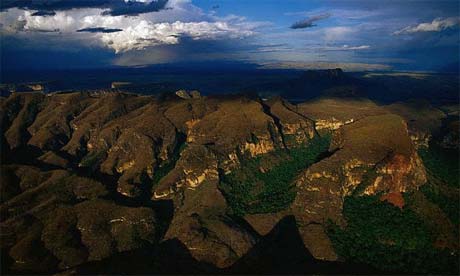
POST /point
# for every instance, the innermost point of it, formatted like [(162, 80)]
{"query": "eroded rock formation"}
[(97, 163)]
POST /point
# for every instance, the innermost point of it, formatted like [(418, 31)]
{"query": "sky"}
[(356, 35)]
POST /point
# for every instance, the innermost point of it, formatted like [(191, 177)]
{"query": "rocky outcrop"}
[(201, 223), (296, 128), (184, 94), (372, 155), (332, 113), (331, 124), (196, 165), (218, 136)]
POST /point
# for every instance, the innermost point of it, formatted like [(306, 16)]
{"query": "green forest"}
[(249, 190), (388, 238), (391, 239)]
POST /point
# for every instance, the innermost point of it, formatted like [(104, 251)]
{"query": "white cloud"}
[(146, 34), (165, 27), (436, 25), (337, 33), (346, 48)]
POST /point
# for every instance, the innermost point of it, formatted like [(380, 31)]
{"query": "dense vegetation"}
[(388, 238), (164, 169), (255, 189), (442, 166), (442, 163), (450, 205)]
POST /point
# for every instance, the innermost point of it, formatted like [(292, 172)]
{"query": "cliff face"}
[(423, 120), (96, 164), (373, 155)]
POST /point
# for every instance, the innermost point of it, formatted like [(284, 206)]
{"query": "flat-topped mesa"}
[(373, 155), (332, 113)]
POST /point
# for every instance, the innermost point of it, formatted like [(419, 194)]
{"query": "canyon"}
[(89, 176)]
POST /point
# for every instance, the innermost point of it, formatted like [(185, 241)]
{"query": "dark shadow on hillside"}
[(282, 252), (170, 257), (279, 252)]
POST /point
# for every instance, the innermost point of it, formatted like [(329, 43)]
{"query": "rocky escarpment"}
[(57, 219), (423, 120), (91, 170), (374, 155), (333, 113), (142, 147)]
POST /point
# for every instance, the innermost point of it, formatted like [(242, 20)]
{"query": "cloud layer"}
[(126, 33), (113, 7), (436, 25)]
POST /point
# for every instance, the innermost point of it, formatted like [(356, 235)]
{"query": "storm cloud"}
[(115, 7), (309, 22), (44, 13), (99, 30)]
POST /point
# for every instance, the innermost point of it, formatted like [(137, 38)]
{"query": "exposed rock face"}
[(332, 123), (220, 137), (333, 113), (295, 127), (188, 95), (196, 165), (374, 153)]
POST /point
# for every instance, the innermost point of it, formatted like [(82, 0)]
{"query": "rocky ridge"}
[(96, 164)]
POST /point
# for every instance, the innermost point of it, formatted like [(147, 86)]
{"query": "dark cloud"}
[(56, 4), (46, 31), (116, 7), (189, 50), (309, 22), (43, 13), (134, 8), (99, 30)]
